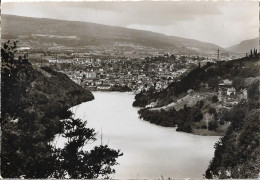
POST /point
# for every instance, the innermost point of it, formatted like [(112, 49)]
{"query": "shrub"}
[(204, 127), (214, 99), (213, 125)]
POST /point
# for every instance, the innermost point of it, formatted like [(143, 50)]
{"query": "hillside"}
[(202, 91), (244, 46), (209, 75), (237, 154), (49, 92), (33, 102), (217, 99), (46, 33)]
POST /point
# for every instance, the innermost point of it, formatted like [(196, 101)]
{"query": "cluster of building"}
[(96, 72), (137, 75)]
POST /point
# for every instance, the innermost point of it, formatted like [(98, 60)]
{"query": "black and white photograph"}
[(156, 90)]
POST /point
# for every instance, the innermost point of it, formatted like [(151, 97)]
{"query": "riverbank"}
[(205, 132), (197, 119)]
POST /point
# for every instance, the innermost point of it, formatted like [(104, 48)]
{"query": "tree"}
[(251, 53), (238, 83), (76, 163), (255, 52), (253, 94), (214, 99), (213, 111), (238, 151), (213, 125), (196, 114), (213, 83), (173, 57)]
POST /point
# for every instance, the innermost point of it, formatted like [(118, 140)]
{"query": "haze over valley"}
[(50, 34)]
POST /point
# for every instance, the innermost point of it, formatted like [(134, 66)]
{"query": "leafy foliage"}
[(74, 162), (237, 154)]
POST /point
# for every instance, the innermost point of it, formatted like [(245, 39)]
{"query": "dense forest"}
[(35, 103), (237, 154)]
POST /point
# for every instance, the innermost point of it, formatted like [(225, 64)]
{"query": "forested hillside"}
[(237, 154), (200, 102), (210, 74), (217, 99), (34, 109)]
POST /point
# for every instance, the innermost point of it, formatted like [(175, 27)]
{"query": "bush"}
[(185, 128), (214, 99), (212, 111), (204, 127), (213, 125)]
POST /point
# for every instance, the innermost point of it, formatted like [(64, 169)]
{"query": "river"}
[(150, 151)]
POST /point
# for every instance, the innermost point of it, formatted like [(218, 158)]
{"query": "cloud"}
[(149, 13)]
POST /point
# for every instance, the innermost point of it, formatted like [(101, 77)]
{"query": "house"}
[(243, 94), (90, 75), (225, 86), (104, 87), (226, 83), (231, 91)]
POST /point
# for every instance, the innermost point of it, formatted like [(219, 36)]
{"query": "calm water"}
[(150, 151)]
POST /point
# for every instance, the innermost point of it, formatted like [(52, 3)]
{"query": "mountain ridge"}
[(88, 33), (244, 46)]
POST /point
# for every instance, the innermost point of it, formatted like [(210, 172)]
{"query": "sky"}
[(223, 23)]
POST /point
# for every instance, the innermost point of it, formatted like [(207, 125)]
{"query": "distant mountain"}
[(45, 33), (244, 46)]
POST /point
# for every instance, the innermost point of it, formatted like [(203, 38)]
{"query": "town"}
[(103, 71)]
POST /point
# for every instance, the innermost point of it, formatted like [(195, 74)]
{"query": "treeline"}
[(253, 53), (32, 105), (120, 88), (210, 74), (183, 118), (237, 154)]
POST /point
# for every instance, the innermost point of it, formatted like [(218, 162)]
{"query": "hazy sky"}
[(222, 23)]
